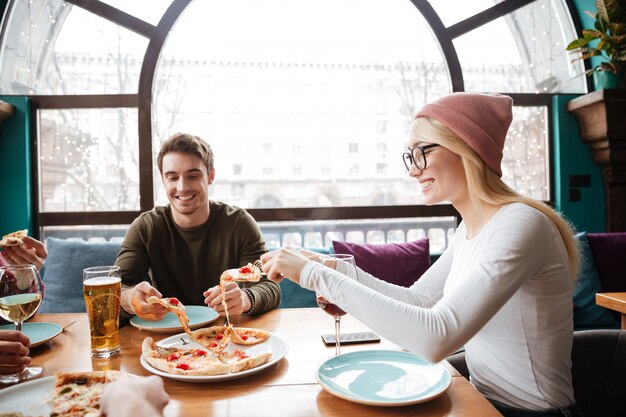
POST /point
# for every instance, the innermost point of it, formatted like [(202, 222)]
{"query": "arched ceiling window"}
[(292, 95)]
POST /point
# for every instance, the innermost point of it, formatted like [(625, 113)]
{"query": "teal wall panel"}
[(16, 208), (572, 157)]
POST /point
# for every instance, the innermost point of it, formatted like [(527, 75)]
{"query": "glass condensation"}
[(88, 160), (50, 47), (523, 52), (304, 103), (525, 155)]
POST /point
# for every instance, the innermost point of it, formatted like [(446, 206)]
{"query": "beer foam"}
[(102, 281)]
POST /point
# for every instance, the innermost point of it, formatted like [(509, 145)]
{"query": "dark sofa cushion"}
[(609, 251), (63, 272), (587, 314), (397, 263)]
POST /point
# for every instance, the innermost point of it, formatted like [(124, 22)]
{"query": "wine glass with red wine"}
[(20, 296), (330, 308)]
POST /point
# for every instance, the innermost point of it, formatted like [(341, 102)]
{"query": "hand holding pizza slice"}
[(173, 305), (248, 273)]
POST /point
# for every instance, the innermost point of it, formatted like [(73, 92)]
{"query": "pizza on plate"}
[(174, 306), (13, 239), (78, 393), (199, 362)]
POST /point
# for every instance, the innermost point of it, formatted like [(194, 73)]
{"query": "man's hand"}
[(31, 251), (237, 300), (135, 300), (13, 351)]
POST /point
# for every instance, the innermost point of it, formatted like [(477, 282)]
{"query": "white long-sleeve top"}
[(506, 295)]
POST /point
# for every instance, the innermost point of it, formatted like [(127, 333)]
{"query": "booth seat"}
[(398, 263)]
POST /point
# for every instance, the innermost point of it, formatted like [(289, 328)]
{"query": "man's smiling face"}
[(186, 183)]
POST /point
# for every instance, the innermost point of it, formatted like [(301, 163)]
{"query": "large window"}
[(306, 104)]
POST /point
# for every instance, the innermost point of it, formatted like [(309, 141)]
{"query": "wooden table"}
[(613, 301), (288, 388)]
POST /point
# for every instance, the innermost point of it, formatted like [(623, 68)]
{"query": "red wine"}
[(329, 308)]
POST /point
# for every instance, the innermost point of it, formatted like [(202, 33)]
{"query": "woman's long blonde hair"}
[(484, 185)]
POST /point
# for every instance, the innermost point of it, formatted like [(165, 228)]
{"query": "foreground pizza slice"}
[(241, 361), (13, 239), (248, 273), (247, 336), (174, 306), (173, 360), (78, 393), (214, 338)]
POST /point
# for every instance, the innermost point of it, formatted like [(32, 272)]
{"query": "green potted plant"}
[(610, 33)]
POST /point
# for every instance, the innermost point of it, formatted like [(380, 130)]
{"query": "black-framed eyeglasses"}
[(417, 156)]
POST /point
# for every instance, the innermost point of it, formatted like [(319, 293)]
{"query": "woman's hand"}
[(134, 397), (31, 251), (284, 263)]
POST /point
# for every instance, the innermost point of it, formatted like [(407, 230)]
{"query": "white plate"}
[(199, 316), (28, 398), (38, 332), (275, 345), (383, 377)]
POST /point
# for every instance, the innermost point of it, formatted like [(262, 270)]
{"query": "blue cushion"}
[(587, 314), (63, 273)]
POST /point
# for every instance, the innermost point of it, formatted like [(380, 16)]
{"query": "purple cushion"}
[(609, 251), (398, 263)]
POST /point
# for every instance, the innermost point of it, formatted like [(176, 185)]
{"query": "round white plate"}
[(28, 398), (198, 316), (37, 332), (275, 345), (383, 377)]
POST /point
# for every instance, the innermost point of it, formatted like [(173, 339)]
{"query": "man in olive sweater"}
[(184, 247)]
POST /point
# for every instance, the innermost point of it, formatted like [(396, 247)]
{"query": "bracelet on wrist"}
[(252, 302)]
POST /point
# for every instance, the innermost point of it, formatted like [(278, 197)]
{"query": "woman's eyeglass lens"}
[(416, 156)]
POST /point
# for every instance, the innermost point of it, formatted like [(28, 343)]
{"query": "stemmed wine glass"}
[(330, 308), (20, 296)]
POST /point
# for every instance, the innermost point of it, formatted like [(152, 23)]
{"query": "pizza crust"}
[(14, 239), (198, 365)]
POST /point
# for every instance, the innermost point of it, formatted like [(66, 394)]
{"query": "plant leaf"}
[(609, 10)]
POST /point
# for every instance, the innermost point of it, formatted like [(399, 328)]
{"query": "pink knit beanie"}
[(480, 120)]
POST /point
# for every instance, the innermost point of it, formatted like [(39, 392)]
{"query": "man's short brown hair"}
[(186, 143)]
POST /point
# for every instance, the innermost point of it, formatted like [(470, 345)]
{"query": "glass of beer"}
[(102, 288)]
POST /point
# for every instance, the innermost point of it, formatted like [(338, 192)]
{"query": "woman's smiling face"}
[(443, 179)]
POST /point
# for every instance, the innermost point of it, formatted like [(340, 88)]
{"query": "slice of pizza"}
[(241, 361), (173, 360), (248, 273), (247, 336), (14, 239), (214, 338), (78, 393), (173, 305)]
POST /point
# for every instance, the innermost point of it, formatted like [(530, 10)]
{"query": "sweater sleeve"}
[(515, 251), (267, 294), (133, 257)]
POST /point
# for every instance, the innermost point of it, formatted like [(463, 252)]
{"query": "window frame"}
[(143, 102)]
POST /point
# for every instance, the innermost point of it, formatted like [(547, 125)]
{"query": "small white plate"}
[(199, 316), (38, 332), (28, 398), (275, 345), (383, 377)]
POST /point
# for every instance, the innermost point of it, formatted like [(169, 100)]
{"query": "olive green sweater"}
[(183, 263)]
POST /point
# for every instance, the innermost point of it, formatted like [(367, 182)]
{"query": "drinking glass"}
[(102, 287), (330, 308), (20, 296)]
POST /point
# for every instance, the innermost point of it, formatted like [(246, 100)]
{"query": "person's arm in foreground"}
[(134, 397), (13, 351)]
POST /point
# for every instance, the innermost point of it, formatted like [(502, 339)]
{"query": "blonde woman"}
[(502, 289)]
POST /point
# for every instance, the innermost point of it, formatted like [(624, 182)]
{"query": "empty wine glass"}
[(20, 296), (330, 308)]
